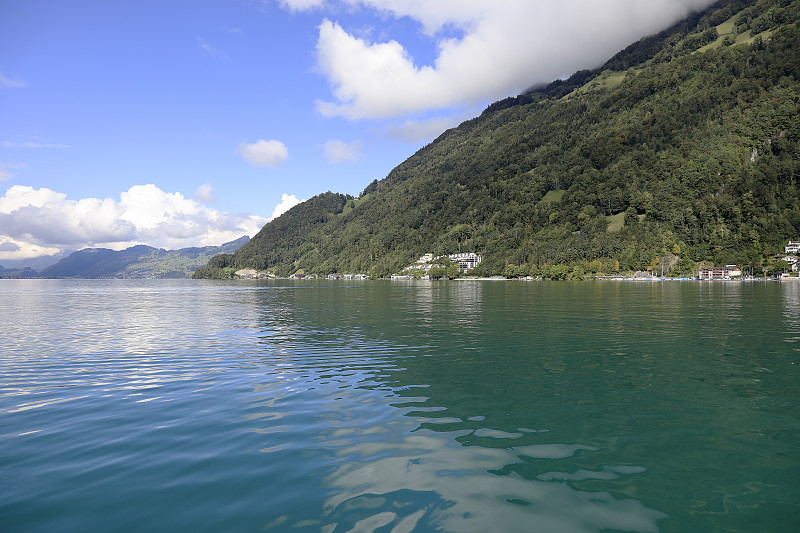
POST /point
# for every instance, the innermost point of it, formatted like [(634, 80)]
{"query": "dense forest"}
[(681, 150)]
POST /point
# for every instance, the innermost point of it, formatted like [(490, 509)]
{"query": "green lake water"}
[(457, 406)]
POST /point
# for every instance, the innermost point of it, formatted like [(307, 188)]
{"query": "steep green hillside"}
[(683, 148), (137, 262)]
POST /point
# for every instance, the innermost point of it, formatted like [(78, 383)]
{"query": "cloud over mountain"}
[(40, 221), (288, 201), (499, 49)]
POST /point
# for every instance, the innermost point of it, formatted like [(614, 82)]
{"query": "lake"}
[(461, 406)]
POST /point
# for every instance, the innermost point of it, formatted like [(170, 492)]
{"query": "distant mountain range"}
[(134, 262), (36, 264), (26, 272), (682, 150)]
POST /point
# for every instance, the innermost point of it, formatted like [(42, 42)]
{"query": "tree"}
[(779, 267)]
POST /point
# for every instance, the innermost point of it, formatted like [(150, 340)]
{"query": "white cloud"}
[(13, 144), (17, 249), (9, 83), (43, 221), (288, 201), (505, 47), (261, 152), (301, 5), (205, 194), (342, 152)]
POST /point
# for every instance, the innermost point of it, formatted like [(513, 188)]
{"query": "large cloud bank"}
[(499, 49), (41, 221)]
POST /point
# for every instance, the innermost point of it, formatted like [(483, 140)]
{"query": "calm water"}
[(399, 406)]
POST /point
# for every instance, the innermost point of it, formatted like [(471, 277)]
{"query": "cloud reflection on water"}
[(427, 481)]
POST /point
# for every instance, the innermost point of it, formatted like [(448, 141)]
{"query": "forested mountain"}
[(682, 149), (137, 262)]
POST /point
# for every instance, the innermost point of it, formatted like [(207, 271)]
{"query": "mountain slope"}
[(137, 262), (689, 154)]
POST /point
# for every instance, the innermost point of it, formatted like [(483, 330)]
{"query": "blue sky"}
[(188, 122)]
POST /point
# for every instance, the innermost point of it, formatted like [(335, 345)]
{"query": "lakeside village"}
[(462, 265)]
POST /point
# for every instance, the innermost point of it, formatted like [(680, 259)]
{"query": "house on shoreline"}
[(719, 272), (250, 273), (466, 261)]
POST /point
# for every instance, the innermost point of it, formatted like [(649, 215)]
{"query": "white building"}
[(792, 248), (467, 261), (247, 273), (715, 272), (791, 259)]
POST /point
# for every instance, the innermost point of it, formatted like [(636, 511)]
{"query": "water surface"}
[(399, 406)]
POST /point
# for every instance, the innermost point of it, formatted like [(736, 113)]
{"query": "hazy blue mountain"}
[(36, 263), (25, 272), (137, 262)]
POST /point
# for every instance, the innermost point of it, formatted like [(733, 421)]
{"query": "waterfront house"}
[(719, 272), (790, 259), (247, 273), (467, 261)]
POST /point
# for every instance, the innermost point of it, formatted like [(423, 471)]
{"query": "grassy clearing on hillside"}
[(744, 39), (615, 222), (728, 29), (349, 206), (553, 196), (724, 30), (606, 80)]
